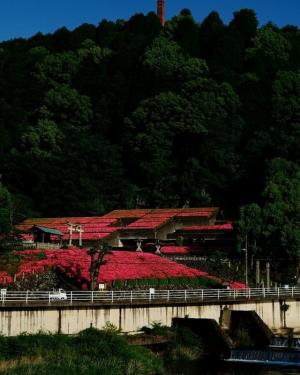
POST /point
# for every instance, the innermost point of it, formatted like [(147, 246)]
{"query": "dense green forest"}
[(129, 114)]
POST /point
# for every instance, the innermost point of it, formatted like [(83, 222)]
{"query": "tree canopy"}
[(5, 210), (128, 113)]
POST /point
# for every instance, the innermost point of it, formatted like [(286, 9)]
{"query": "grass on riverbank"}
[(90, 352)]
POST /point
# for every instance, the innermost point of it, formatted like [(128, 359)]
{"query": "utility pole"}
[(161, 11), (257, 273), (246, 259), (268, 274)]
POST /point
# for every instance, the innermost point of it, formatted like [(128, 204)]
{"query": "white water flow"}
[(266, 356)]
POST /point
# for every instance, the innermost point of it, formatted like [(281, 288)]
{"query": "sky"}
[(24, 18)]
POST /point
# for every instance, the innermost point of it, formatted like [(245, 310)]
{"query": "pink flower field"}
[(74, 263)]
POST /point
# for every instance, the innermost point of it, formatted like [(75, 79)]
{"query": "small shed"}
[(46, 235)]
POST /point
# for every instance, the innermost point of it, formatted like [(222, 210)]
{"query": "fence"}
[(39, 245), (150, 296)]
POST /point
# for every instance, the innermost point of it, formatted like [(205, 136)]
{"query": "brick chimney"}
[(161, 11)]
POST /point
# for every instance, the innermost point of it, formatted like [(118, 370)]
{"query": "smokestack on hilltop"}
[(161, 11)]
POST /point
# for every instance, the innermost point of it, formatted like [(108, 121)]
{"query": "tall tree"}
[(286, 114), (154, 125), (5, 210), (281, 211), (269, 53), (211, 31), (250, 227), (246, 23), (97, 255), (186, 32)]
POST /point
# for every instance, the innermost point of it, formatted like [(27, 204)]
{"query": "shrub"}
[(90, 352), (41, 256), (157, 329)]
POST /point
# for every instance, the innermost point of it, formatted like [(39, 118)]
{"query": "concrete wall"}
[(71, 320)]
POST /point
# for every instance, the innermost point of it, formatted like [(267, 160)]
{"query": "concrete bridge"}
[(72, 312)]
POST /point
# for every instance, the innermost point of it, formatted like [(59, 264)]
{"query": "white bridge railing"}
[(150, 296)]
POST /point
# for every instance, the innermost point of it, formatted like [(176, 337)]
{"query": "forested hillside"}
[(128, 114)]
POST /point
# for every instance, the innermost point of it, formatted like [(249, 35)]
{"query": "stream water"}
[(233, 369), (274, 356), (282, 357)]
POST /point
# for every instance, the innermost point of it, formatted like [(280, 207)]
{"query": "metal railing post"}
[(292, 291), (131, 296), (168, 296), (26, 297), (112, 296), (185, 295), (218, 294), (71, 299), (278, 292), (264, 292), (92, 296), (202, 294), (3, 295)]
